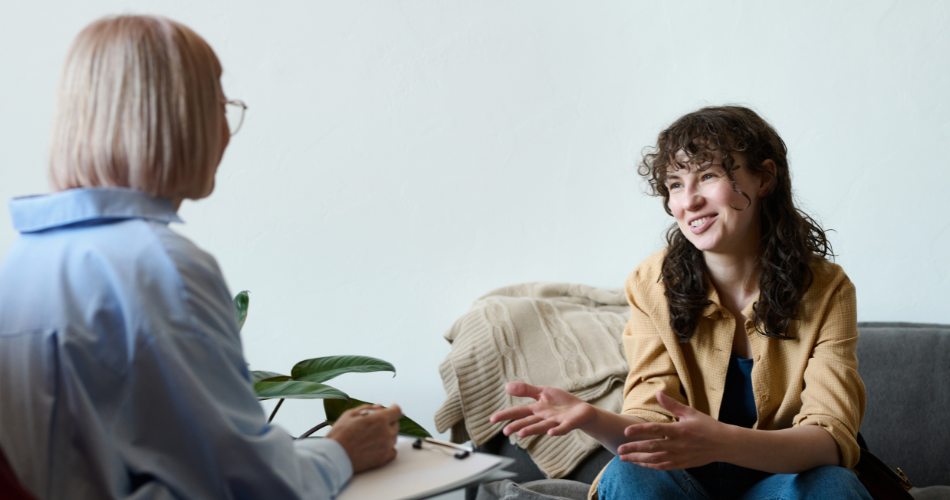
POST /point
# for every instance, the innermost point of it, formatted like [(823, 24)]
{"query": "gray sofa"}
[(906, 371)]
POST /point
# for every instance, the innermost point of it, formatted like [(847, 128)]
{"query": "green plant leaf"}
[(257, 376), (284, 387), (241, 302), (323, 369), (408, 427), (335, 408)]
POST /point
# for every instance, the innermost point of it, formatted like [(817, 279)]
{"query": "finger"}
[(388, 455), (513, 413), (674, 406), (352, 412), (651, 430), (392, 428), (523, 390), (382, 415), (562, 429), (662, 466), (645, 446), (394, 436), (393, 413), (538, 428), (521, 424), (646, 458)]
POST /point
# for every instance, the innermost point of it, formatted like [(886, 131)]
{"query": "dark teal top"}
[(738, 402)]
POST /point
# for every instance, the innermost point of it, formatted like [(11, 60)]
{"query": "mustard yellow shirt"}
[(810, 379)]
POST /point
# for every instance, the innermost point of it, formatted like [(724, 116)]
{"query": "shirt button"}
[(765, 397), (757, 358)]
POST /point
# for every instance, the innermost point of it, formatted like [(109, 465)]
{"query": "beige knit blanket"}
[(553, 334)]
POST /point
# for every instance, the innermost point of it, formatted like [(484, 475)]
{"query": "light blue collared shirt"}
[(121, 370)]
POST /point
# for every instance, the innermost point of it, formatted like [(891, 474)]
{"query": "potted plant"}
[(306, 381)]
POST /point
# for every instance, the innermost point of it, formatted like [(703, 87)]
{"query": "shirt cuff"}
[(847, 442), (330, 460), (649, 416)]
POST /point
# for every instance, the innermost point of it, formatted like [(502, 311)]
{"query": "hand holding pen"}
[(368, 434)]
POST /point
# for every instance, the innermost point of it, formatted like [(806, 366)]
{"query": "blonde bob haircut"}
[(139, 105)]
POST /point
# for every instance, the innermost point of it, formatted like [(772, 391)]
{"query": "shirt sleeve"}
[(651, 367), (833, 396), (194, 423)]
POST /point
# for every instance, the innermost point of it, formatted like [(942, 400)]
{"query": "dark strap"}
[(879, 479), (861, 442)]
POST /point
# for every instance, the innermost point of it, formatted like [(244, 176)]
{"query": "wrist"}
[(588, 417), (340, 440), (729, 439)]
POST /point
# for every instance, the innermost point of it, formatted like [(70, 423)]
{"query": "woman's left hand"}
[(695, 440)]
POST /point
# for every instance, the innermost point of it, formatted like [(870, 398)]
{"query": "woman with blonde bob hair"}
[(121, 366), (145, 114)]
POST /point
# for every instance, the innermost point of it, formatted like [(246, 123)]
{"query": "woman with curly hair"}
[(741, 341)]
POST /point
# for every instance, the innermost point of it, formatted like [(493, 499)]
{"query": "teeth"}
[(699, 222)]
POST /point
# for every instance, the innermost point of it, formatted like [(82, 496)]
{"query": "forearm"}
[(785, 451), (607, 427), (558, 412)]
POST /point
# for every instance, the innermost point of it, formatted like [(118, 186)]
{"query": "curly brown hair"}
[(789, 237)]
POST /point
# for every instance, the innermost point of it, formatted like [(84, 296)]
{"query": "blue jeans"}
[(715, 481)]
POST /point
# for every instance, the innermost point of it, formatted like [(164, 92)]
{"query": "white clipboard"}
[(422, 473)]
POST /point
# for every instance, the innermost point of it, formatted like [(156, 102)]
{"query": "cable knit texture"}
[(553, 334)]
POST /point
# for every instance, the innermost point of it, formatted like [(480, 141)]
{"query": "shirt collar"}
[(715, 304), (38, 213)]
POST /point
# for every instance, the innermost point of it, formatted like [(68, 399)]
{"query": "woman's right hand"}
[(368, 435), (555, 413)]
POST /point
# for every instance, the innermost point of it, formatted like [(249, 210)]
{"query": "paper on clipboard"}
[(417, 474)]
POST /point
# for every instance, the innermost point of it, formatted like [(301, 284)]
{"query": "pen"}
[(461, 451)]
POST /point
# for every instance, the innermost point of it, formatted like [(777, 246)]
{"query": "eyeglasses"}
[(234, 112)]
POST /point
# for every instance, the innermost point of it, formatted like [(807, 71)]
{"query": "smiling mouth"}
[(699, 225), (699, 222)]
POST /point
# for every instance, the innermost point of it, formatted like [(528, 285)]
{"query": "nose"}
[(694, 199)]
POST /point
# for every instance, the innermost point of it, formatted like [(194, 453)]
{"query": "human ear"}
[(766, 177)]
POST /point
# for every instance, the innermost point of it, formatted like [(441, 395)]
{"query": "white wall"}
[(401, 158)]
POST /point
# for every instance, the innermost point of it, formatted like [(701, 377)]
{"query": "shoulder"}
[(644, 286), (181, 286), (203, 289), (161, 277), (191, 261), (648, 271), (831, 296), (828, 278), (106, 265), (183, 271)]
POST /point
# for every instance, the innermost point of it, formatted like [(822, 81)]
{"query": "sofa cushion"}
[(931, 493), (906, 371)]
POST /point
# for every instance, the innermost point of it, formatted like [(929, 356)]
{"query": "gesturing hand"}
[(556, 412), (368, 434), (693, 441)]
